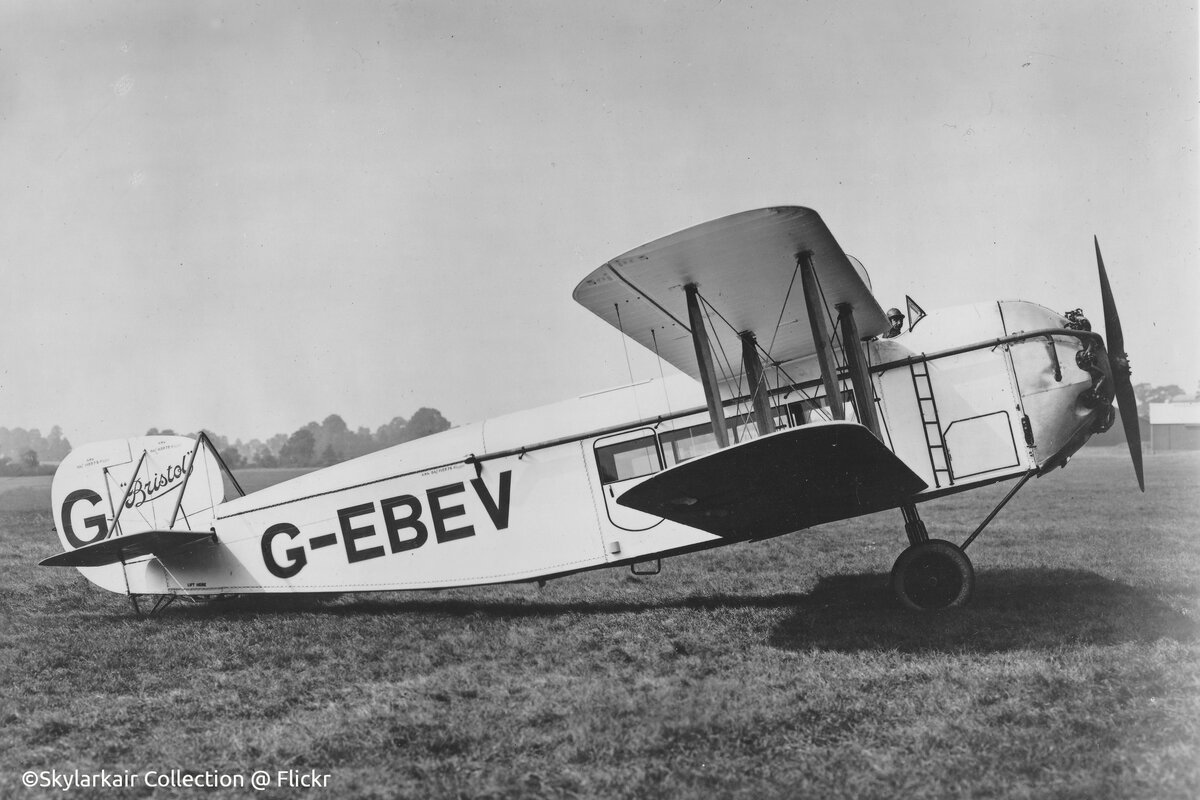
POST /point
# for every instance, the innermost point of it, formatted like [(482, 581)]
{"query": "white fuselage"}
[(533, 494)]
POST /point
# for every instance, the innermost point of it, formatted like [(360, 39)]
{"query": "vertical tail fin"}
[(107, 492)]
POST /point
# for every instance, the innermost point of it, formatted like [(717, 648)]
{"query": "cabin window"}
[(816, 409), (629, 459), (698, 440)]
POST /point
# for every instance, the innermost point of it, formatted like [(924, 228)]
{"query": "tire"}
[(932, 576)]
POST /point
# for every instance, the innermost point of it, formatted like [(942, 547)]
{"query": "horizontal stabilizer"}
[(780, 483), (126, 548)]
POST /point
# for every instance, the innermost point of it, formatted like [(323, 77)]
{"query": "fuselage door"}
[(624, 460)]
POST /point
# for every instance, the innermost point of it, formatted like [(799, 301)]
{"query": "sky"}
[(246, 217)]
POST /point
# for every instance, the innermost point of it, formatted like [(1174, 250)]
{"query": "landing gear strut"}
[(931, 574)]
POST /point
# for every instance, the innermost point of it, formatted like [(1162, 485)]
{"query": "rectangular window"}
[(698, 440), (817, 409), (630, 459)]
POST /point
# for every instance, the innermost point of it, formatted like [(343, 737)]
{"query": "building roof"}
[(1175, 413)]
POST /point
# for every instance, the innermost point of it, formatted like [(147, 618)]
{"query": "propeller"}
[(1119, 362)]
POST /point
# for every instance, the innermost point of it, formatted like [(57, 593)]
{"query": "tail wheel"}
[(933, 575)]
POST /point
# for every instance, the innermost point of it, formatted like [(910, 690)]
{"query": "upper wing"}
[(745, 267), (780, 483)]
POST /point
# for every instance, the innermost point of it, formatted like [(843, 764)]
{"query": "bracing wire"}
[(628, 364), (745, 414), (837, 331), (748, 414), (661, 377), (727, 367), (774, 334), (783, 307), (624, 343), (792, 384)]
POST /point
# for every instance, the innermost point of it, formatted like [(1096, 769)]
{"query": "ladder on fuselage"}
[(939, 456)]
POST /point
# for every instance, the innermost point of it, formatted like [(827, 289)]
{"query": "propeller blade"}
[(1127, 405), (1112, 322), (1118, 361)]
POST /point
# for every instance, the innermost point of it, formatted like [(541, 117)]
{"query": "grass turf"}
[(779, 669)]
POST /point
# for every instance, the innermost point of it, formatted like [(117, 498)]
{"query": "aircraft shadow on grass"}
[(1014, 609)]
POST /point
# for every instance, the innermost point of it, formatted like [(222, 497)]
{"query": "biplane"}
[(793, 410)]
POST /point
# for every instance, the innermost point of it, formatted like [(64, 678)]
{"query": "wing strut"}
[(757, 386), (116, 523), (816, 318), (860, 378), (704, 359)]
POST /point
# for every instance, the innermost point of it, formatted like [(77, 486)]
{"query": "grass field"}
[(781, 669)]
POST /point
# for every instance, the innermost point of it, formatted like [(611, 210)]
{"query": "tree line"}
[(22, 452), (28, 452), (1145, 394), (320, 445)]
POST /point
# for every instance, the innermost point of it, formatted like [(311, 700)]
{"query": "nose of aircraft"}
[(1119, 362)]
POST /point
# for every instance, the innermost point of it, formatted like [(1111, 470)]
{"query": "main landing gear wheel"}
[(933, 575)]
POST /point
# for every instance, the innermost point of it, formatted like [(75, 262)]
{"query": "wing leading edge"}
[(780, 483), (745, 267)]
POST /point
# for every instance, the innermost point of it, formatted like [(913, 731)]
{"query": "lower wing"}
[(780, 483)]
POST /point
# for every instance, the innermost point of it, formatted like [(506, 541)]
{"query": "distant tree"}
[(334, 425), (265, 458), (163, 432), (232, 458), (17, 441), (359, 443), (57, 446), (29, 459), (1144, 394), (328, 456), (346, 443), (35, 441), (425, 422), (1164, 394), (250, 449), (391, 433), (276, 442), (298, 450)]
